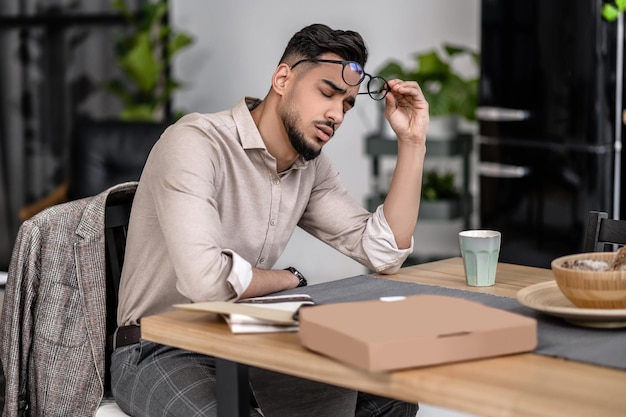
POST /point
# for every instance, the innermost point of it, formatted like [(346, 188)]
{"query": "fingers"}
[(407, 91), (406, 96), (407, 110)]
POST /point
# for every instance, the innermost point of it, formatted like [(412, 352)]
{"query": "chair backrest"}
[(108, 152), (117, 215), (602, 231)]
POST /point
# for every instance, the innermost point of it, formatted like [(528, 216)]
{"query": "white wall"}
[(238, 44)]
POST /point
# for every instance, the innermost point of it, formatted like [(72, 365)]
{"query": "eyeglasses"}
[(353, 75)]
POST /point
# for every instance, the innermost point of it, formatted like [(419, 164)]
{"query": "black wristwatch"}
[(302, 280)]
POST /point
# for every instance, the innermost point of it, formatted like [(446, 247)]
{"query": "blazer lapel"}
[(89, 257)]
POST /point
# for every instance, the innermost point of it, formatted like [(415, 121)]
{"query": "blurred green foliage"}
[(612, 11), (144, 55), (446, 91), (439, 186)]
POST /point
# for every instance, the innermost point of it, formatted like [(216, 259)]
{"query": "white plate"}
[(547, 298)]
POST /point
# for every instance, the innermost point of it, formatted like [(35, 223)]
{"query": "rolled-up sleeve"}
[(380, 245), (241, 277), (337, 219)]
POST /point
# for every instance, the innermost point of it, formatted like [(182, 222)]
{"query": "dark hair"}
[(317, 39)]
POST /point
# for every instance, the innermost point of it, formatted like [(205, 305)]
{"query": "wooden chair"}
[(602, 231)]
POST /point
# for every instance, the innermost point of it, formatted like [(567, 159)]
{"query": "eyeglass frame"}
[(344, 64)]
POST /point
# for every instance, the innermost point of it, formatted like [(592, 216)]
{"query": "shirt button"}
[(276, 181), (262, 260), (272, 222)]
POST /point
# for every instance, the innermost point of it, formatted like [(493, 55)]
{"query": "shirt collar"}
[(249, 134)]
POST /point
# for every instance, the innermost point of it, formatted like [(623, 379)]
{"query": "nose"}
[(335, 115)]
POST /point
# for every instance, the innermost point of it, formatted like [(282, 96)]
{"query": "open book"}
[(274, 313)]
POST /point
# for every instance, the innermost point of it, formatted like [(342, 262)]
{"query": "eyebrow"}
[(350, 99)]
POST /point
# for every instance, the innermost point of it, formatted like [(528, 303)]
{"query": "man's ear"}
[(282, 77)]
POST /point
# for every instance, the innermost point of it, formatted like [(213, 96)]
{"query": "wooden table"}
[(516, 385)]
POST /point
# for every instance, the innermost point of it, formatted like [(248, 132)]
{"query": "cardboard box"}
[(414, 331)]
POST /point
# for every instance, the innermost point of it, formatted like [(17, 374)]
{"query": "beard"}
[(297, 138)]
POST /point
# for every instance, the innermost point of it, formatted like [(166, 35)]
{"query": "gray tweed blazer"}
[(52, 334)]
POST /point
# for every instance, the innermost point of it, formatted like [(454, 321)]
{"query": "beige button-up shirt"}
[(210, 205)]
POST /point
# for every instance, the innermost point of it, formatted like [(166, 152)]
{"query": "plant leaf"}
[(118, 88), (120, 5), (438, 186), (178, 42), (392, 69), (610, 12), (140, 112), (453, 50), (140, 64), (431, 64), (151, 15)]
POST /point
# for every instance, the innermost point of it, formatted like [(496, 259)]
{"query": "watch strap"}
[(302, 282)]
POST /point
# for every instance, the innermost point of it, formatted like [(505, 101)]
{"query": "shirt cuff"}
[(241, 273)]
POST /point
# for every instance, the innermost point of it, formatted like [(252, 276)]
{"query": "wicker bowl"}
[(591, 289)]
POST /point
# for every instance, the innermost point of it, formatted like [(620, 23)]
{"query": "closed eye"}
[(346, 106), (330, 89)]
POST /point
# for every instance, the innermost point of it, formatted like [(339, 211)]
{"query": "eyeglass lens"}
[(377, 88), (353, 75)]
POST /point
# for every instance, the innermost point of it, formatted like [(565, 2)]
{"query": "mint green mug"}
[(480, 250)]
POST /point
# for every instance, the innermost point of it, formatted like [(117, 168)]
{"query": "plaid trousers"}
[(149, 380)]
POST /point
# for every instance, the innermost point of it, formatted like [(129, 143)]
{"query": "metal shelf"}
[(378, 146)]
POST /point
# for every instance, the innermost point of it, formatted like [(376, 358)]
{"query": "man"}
[(218, 200)]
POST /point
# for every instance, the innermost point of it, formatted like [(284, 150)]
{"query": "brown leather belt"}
[(124, 336)]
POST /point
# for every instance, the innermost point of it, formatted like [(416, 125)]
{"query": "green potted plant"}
[(441, 198), (449, 94), (611, 12), (144, 55)]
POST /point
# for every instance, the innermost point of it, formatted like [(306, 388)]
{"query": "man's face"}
[(315, 105)]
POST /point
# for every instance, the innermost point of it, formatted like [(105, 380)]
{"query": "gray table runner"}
[(557, 338)]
